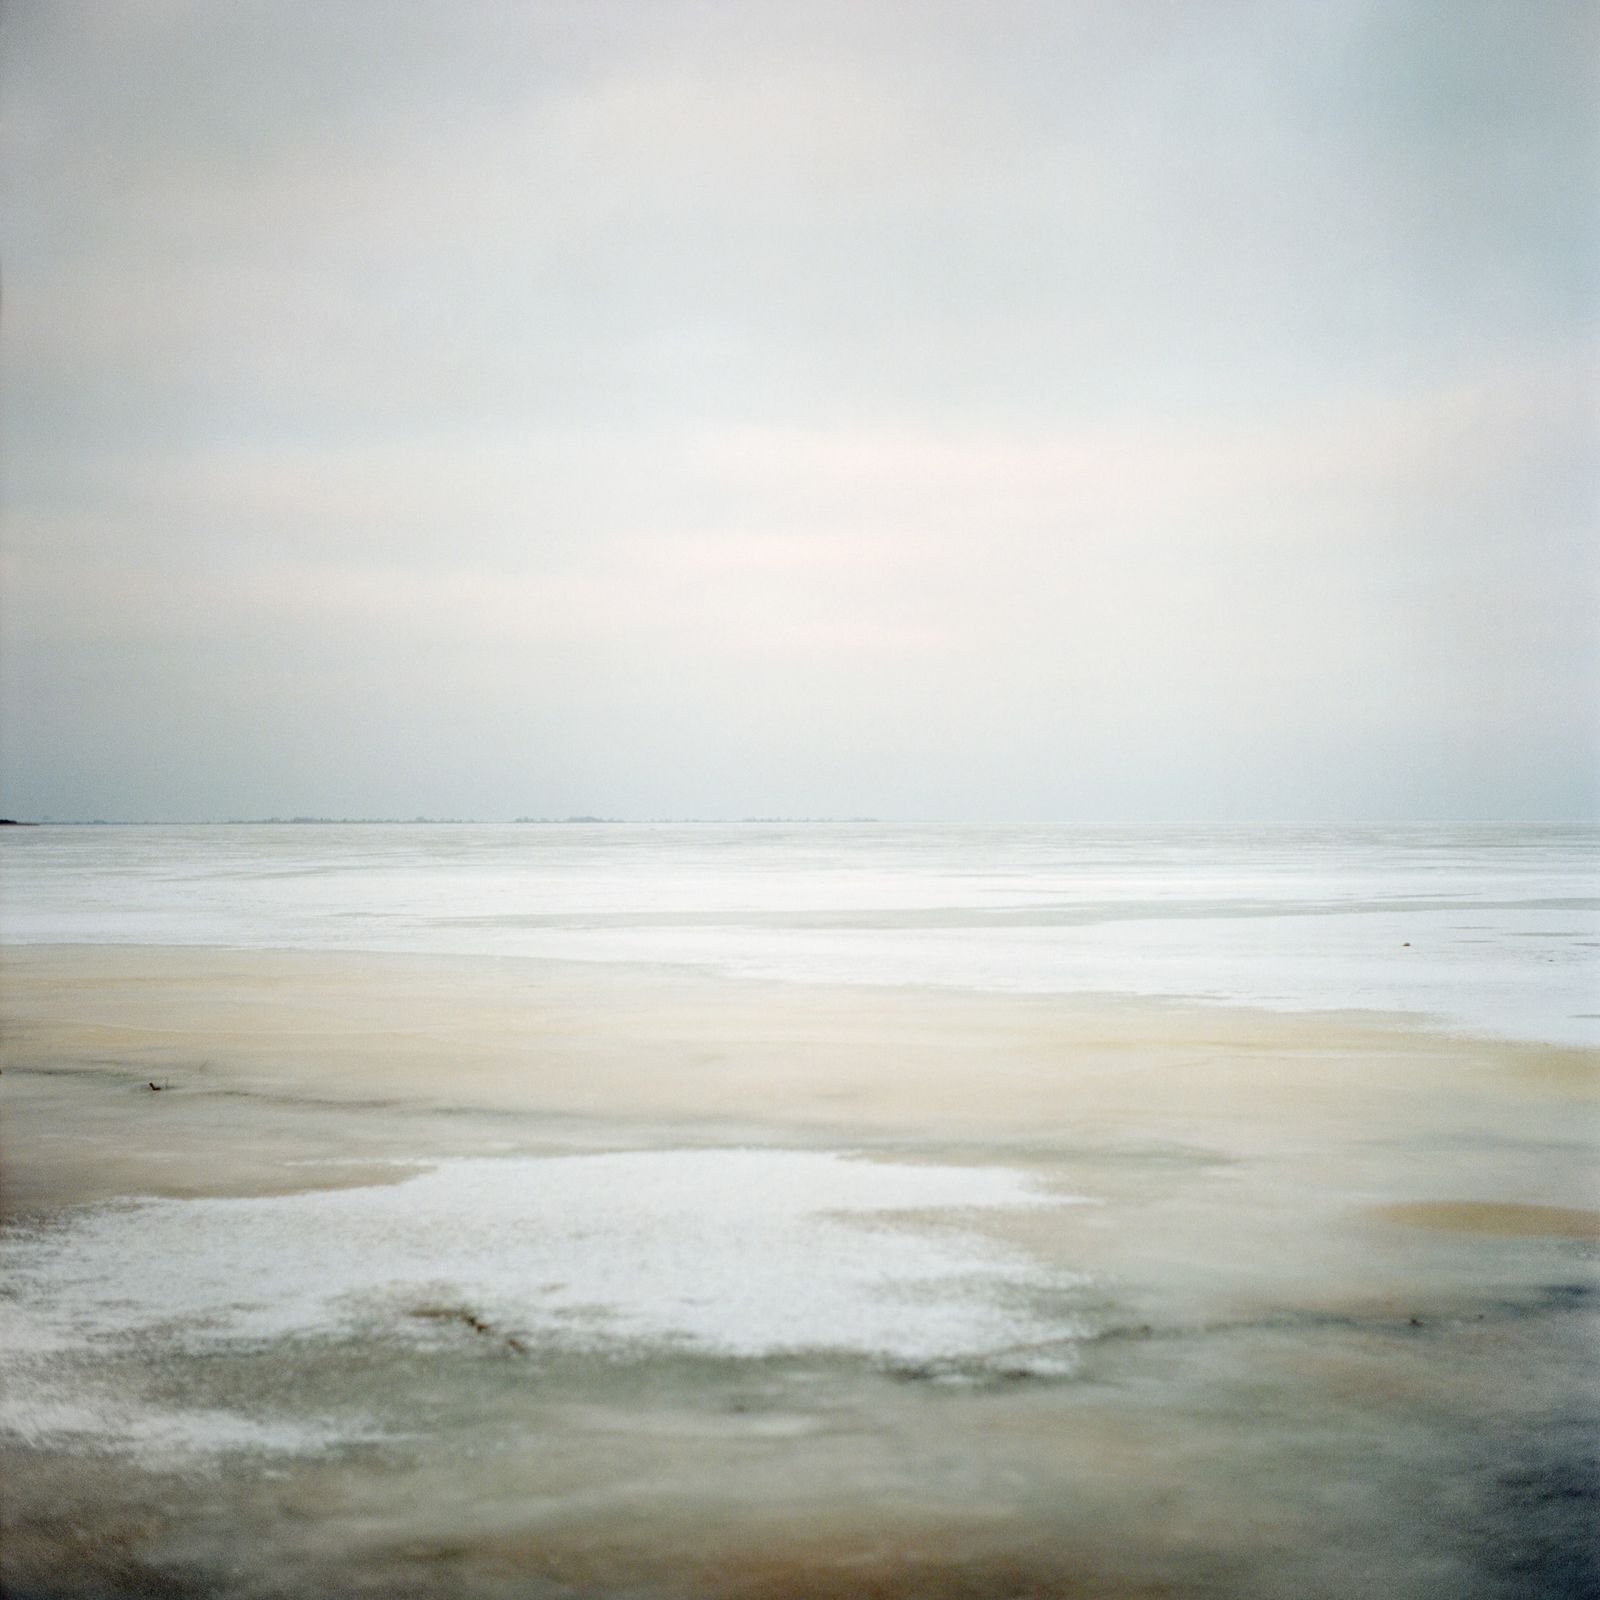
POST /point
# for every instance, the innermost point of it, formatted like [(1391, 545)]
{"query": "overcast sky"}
[(983, 409)]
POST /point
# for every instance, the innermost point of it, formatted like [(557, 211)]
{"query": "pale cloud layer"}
[(1064, 410)]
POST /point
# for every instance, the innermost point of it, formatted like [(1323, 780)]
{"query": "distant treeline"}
[(721, 821), (371, 822), (263, 822)]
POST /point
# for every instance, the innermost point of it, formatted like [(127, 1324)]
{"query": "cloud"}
[(854, 385)]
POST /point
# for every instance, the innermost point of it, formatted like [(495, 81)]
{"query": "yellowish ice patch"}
[(1496, 1217)]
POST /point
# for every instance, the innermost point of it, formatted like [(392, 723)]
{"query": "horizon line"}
[(792, 821)]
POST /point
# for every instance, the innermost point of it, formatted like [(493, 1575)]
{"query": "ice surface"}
[(727, 1252), (1486, 928)]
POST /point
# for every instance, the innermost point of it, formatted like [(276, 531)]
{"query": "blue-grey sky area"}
[(1080, 409)]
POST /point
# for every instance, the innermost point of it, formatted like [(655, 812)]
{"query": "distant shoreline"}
[(409, 822), (733, 822)]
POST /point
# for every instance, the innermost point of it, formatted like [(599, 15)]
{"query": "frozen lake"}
[(1480, 928)]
